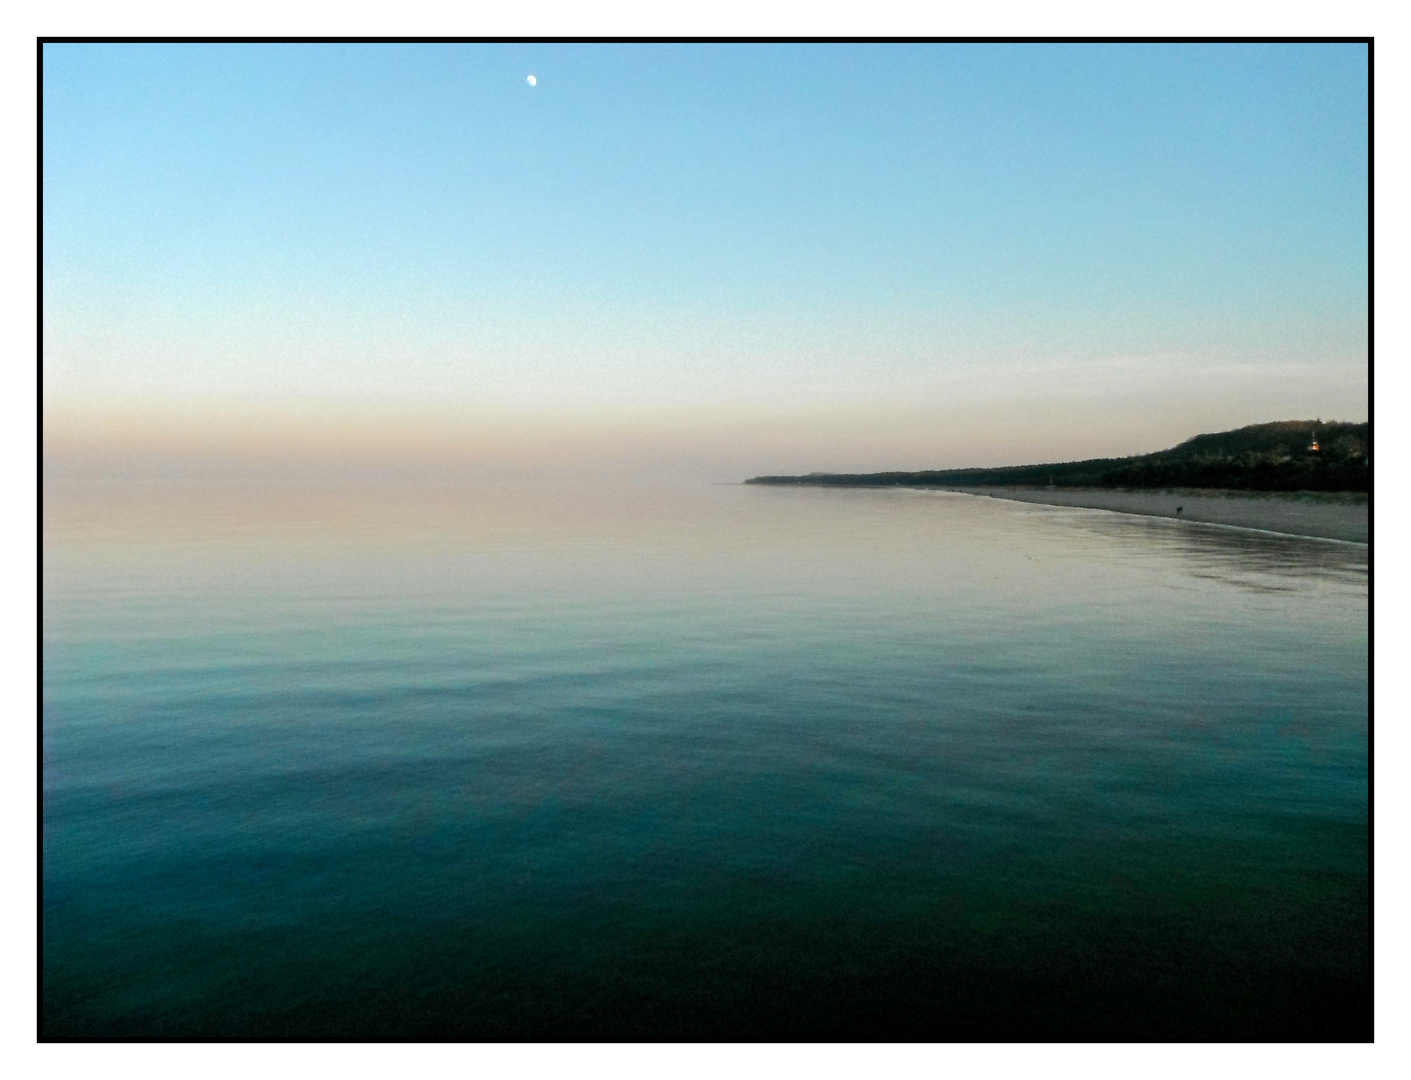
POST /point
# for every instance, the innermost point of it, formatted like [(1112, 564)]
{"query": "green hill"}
[(1261, 457)]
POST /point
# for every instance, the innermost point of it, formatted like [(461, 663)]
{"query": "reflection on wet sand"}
[(1245, 558)]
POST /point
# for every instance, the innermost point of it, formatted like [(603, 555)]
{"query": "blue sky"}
[(902, 254)]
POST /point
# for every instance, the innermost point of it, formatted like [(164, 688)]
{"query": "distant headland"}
[(1286, 456)]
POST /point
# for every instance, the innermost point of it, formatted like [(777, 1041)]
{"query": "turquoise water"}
[(509, 761)]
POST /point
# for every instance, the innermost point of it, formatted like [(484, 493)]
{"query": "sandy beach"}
[(1330, 516)]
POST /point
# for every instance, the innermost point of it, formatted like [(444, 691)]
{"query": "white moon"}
[(532, 81)]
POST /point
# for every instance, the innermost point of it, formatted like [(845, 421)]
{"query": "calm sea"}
[(546, 761)]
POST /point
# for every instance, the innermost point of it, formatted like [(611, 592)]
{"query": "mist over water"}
[(536, 760)]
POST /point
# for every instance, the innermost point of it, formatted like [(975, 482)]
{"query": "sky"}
[(707, 261)]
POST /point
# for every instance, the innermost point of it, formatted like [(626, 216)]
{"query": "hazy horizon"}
[(702, 262)]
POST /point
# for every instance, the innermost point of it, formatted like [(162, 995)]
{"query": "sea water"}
[(557, 761)]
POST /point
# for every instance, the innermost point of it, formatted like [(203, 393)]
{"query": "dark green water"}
[(536, 762)]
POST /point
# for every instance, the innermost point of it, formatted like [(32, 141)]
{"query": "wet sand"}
[(1333, 516)]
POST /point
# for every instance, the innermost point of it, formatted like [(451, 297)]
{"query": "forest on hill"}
[(1289, 455)]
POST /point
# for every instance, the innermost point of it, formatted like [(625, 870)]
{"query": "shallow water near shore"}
[(545, 761), (1341, 516)]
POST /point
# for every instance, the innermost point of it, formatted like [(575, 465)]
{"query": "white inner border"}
[(1219, 18)]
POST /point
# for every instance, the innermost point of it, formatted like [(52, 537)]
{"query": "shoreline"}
[(1313, 514)]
